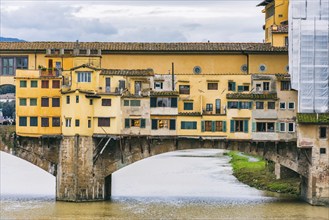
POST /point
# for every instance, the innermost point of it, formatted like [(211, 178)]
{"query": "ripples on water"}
[(180, 185)]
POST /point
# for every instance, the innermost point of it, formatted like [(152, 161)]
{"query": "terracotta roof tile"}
[(143, 47)]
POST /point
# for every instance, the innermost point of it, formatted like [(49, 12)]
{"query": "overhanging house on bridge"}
[(110, 104)]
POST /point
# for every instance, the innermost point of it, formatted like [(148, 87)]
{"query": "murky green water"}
[(182, 185)]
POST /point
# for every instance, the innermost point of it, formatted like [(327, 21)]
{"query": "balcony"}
[(50, 72)]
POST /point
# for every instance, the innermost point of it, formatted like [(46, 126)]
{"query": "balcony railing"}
[(51, 72)]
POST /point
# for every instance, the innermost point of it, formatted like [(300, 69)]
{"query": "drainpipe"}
[(172, 77), (35, 59)]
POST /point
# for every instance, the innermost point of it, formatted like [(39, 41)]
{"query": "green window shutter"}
[(153, 102), (172, 124), (202, 126), (182, 125), (232, 126), (143, 123), (240, 88), (174, 102), (277, 127), (245, 126), (127, 123), (224, 126), (239, 105), (254, 127), (154, 124), (213, 126), (233, 86)]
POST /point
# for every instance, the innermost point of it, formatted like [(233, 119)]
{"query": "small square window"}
[(158, 85), (34, 84), (55, 102), (259, 105), (188, 105), (282, 105), (34, 121), (271, 105), (212, 86), (22, 101), (56, 121), (33, 102), (106, 102), (45, 102), (22, 83), (44, 122), (266, 86), (45, 84), (291, 105), (77, 122), (323, 150), (56, 84), (125, 102)]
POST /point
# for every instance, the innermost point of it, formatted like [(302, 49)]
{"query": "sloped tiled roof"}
[(164, 93), (128, 72), (143, 47)]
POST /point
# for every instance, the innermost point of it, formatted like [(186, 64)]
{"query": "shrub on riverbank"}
[(259, 175)]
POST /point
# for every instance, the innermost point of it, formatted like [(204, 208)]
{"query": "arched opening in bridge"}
[(187, 173), (7, 89), (19, 177)]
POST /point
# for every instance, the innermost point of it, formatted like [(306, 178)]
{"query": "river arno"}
[(194, 184)]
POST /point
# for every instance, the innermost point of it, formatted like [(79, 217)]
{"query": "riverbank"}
[(259, 174)]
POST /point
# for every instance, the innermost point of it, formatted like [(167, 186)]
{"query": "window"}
[(104, 122), (8, 66), (23, 121), (208, 125), (68, 122), (135, 123), (21, 63), (231, 86), (323, 132), (34, 121), (245, 105), (106, 102), (282, 105), (84, 76), (259, 105), (262, 68), (126, 103), (291, 105), (285, 85), (34, 83), (163, 123), (67, 99), (282, 127), (213, 126), (243, 88), (239, 126), (217, 103), (258, 87), (44, 102), (188, 105), (158, 85), (138, 87), (135, 102), (270, 105), (89, 123), (56, 84), (55, 102), (209, 107), (184, 89), (56, 121), (91, 102), (197, 70), (45, 84), (22, 84), (22, 101), (77, 99), (33, 101), (44, 122), (189, 125), (163, 102), (77, 123), (212, 86), (291, 127), (232, 105), (286, 41), (322, 150), (266, 86)]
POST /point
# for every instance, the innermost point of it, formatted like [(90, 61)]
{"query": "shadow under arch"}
[(7, 88)]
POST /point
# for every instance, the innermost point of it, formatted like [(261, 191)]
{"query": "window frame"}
[(184, 89), (44, 101), (212, 85), (188, 106)]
